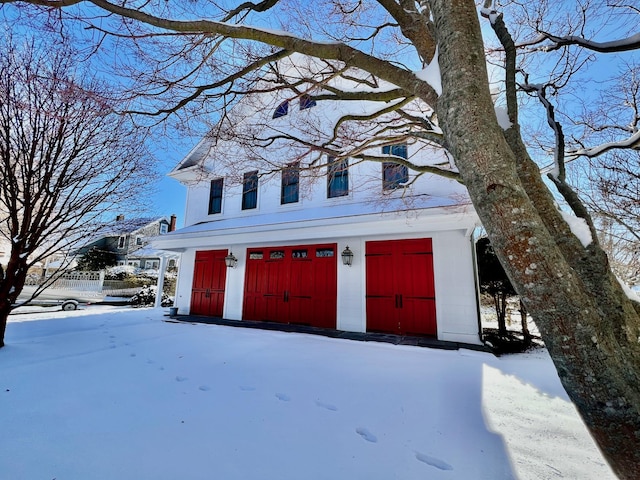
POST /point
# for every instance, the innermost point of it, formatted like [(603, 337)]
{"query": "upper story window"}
[(164, 228), (337, 177), (250, 190), (306, 102), (122, 241), (290, 183), (394, 175), (281, 110), (138, 240), (215, 196)]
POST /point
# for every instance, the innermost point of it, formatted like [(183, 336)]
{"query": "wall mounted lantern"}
[(347, 257), (230, 260)]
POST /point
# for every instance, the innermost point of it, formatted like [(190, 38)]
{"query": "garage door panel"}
[(400, 287), (416, 277), (199, 303), (209, 279), (419, 316), (381, 314), (378, 281), (293, 282)]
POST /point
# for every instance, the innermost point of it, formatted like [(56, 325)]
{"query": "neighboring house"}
[(344, 247), (129, 240)]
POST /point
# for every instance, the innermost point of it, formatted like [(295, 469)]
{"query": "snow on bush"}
[(147, 297)]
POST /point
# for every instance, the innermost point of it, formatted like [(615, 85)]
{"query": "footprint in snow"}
[(432, 461), (180, 379), (367, 435), (247, 388), (328, 406), (132, 355), (204, 388), (283, 397)]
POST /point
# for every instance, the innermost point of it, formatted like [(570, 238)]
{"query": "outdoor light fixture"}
[(347, 257), (230, 260)]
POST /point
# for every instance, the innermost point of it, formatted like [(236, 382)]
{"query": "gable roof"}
[(128, 226), (118, 228), (249, 131)]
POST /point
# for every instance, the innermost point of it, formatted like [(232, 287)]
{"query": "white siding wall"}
[(351, 220), (456, 310), (365, 185)]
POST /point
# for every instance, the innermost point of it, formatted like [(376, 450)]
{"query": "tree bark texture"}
[(588, 324), (11, 286)]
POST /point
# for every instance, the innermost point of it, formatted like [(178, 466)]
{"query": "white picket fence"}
[(80, 281)]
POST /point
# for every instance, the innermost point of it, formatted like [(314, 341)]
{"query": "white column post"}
[(160, 286)]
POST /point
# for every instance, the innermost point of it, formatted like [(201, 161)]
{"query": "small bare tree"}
[(66, 158)]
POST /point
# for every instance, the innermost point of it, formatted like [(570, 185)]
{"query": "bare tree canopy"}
[(187, 58), (66, 157)]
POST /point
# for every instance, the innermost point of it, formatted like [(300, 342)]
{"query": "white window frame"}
[(155, 264)]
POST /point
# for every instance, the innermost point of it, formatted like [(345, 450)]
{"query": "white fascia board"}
[(392, 224), (188, 176)]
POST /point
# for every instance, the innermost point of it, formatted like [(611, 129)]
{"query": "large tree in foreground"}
[(186, 57), (66, 158)]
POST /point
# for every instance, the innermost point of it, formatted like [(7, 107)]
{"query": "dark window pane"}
[(250, 190), (337, 177), (394, 175), (215, 196), (281, 110), (290, 184), (306, 102), (397, 150)]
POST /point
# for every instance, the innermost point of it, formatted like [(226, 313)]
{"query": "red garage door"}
[(291, 285), (400, 289), (209, 277)]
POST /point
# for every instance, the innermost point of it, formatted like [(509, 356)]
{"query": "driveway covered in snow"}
[(121, 394)]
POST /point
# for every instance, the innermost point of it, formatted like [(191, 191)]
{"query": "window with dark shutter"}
[(215, 196), (290, 183), (394, 175), (250, 190), (337, 177)]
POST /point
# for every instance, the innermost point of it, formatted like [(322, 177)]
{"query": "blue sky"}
[(169, 196)]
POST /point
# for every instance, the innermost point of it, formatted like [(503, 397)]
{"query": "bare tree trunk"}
[(11, 286), (590, 328), (525, 326), (500, 303)]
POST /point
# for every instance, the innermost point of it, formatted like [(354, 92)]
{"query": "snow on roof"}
[(149, 252), (123, 227)]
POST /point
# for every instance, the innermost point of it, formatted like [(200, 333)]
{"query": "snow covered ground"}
[(116, 393)]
